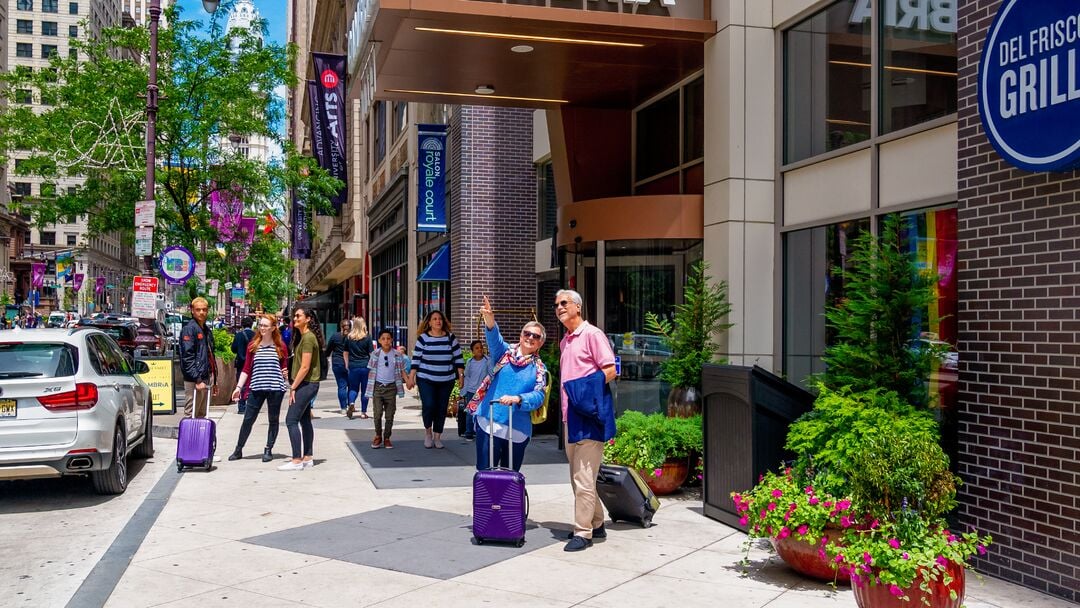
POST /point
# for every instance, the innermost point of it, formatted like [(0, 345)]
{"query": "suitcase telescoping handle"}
[(195, 401), (491, 435)]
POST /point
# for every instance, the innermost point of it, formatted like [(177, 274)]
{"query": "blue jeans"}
[(434, 399), (358, 386), (341, 376), (466, 422), (502, 454)]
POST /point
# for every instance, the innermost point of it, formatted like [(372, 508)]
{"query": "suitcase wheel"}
[(647, 523), (477, 540), (520, 543), (206, 464), (179, 467)]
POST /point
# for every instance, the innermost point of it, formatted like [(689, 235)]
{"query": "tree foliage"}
[(90, 139), (877, 340), (690, 334)]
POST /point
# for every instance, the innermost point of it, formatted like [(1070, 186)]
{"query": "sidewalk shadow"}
[(57, 494)]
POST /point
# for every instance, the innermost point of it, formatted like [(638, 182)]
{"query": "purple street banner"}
[(226, 209), (301, 236), (431, 196), (328, 119), (99, 285), (77, 281), (247, 229), (37, 275)]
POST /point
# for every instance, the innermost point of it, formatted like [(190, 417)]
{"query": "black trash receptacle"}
[(747, 411)]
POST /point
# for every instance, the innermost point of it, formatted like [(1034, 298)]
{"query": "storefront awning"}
[(439, 267)]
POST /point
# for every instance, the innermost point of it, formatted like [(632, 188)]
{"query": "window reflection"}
[(918, 76)]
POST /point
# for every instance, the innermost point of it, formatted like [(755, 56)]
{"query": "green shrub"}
[(223, 346), (644, 442)]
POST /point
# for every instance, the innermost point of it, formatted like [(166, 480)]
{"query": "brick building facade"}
[(492, 217), (1019, 335)]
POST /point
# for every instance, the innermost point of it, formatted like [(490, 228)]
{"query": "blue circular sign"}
[(1029, 84), (177, 264)]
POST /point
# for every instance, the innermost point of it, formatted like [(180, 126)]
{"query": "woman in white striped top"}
[(437, 364), (265, 367)]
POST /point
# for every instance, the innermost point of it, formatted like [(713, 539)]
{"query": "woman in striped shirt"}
[(265, 367), (437, 364)]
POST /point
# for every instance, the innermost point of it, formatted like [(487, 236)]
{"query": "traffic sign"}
[(144, 297)]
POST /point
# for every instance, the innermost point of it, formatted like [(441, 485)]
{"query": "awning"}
[(438, 269)]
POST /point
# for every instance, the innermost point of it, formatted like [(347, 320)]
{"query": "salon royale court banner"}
[(431, 193), (327, 97)]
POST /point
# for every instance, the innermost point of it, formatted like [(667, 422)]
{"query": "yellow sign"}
[(162, 384)]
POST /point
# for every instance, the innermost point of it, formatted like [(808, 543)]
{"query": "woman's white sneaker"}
[(291, 466)]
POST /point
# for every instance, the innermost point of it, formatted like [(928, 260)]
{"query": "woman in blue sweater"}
[(517, 381)]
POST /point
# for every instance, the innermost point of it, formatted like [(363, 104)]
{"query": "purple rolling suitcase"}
[(196, 440), (500, 502)]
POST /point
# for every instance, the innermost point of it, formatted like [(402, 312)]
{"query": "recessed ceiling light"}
[(453, 94), (522, 48), (485, 89), (530, 38)]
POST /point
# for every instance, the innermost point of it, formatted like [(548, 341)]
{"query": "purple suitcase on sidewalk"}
[(196, 440), (500, 502)]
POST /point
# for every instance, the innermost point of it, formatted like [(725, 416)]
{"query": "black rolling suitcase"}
[(625, 495)]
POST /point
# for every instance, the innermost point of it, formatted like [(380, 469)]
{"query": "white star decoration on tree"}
[(116, 141)]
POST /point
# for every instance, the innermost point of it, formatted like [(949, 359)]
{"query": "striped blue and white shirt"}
[(266, 371), (437, 359)]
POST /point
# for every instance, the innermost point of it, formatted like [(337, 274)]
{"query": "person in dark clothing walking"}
[(337, 352), (240, 349), (360, 347)]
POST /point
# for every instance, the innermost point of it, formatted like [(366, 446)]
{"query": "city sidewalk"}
[(246, 534)]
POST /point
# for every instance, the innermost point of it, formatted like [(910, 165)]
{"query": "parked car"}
[(124, 332), (152, 339), (71, 404)]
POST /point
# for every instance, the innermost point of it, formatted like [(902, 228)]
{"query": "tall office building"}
[(36, 30)]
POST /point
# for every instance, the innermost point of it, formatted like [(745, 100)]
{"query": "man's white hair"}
[(574, 296)]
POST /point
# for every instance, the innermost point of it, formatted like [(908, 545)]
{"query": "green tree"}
[(877, 342), (94, 131)]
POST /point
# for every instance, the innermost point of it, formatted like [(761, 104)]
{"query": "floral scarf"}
[(514, 357)]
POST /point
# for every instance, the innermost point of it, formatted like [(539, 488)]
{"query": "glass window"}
[(48, 50), (21, 188), (826, 82), (401, 117), (694, 120), (48, 28), (24, 49), (37, 360), (48, 238), (50, 6), (657, 133), (73, 8), (24, 96), (918, 75), (639, 277), (72, 239), (73, 53), (24, 26), (380, 132), (24, 5), (546, 205), (73, 31), (811, 283)]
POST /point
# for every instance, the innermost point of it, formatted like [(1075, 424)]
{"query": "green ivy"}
[(223, 346), (644, 442)]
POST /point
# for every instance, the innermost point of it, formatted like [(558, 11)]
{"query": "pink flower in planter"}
[(744, 520), (941, 561), (895, 544), (657, 472), (866, 557), (821, 553), (856, 580), (772, 506), (905, 555), (803, 529), (809, 490), (839, 558), (982, 549), (846, 522), (828, 503), (784, 532), (843, 505), (897, 591), (777, 493), (814, 501), (762, 514), (952, 539)]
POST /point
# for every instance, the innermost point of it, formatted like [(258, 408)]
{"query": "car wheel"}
[(113, 480), (146, 448)]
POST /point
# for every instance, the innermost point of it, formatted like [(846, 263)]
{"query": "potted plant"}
[(657, 446), (226, 373), (690, 334)]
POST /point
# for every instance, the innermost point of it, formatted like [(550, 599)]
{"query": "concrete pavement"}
[(246, 534)]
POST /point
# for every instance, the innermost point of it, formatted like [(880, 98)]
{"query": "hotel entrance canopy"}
[(526, 53)]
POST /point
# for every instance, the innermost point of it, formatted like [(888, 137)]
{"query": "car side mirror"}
[(141, 367)]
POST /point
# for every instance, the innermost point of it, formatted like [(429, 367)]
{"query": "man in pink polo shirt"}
[(585, 350)]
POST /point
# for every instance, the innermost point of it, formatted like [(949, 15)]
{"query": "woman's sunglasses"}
[(531, 335)]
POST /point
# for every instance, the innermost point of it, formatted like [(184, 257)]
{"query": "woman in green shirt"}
[(305, 374)]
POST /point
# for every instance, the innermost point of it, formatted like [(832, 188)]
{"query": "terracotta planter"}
[(226, 382), (878, 596), (683, 402), (805, 559), (672, 475)]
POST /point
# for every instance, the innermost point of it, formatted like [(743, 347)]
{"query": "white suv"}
[(71, 404)]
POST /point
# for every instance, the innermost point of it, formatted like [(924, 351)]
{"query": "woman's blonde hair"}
[(359, 329)]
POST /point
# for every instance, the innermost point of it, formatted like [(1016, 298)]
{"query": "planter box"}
[(747, 411), (226, 382)]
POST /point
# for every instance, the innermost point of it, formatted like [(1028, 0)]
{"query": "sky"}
[(271, 10)]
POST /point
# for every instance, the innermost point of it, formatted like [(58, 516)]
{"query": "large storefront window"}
[(826, 82), (389, 292), (669, 142), (639, 277), (918, 76)]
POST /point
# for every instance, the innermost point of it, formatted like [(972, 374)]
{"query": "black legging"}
[(298, 419), (434, 398), (251, 413)]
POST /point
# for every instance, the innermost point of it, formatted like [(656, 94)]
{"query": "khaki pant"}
[(384, 403), (585, 458), (191, 399)]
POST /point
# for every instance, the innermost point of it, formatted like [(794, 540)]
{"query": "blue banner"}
[(431, 195)]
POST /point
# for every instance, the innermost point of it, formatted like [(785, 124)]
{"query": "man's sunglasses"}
[(531, 335), (562, 304)]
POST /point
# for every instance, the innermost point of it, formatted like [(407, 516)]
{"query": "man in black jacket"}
[(240, 348), (197, 358)]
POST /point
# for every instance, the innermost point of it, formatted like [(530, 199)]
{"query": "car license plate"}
[(7, 408)]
